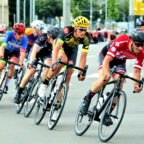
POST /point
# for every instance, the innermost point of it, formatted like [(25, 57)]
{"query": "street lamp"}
[(24, 11), (106, 14)]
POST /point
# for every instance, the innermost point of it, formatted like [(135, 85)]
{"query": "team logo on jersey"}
[(113, 49), (117, 44), (66, 30)]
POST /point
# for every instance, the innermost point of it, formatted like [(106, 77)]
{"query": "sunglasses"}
[(138, 44), (81, 29)]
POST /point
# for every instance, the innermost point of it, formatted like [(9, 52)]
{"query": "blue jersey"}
[(15, 45)]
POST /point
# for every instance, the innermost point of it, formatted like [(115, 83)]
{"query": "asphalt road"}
[(15, 129)]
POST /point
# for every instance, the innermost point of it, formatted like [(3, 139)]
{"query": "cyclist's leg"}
[(122, 69), (51, 73), (26, 78), (48, 61)]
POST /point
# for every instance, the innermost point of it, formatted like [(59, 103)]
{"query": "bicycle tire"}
[(21, 104), (38, 119), (80, 130), (4, 78), (19, 78), (28, 109), (101, 130), (50, 123)]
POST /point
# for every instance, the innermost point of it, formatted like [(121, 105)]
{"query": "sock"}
[(89, 95), (46, 81), (20, 90), (8, 81)]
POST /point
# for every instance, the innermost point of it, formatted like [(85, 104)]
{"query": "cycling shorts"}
[(10, 55), (120, 64)]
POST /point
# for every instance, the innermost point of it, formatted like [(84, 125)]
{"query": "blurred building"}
[(4, 12)]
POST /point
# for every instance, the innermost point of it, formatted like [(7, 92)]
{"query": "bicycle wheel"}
[(83, 122), (62, 90), (3, 80), (20, 76), (32, 98), (40, 110), (106, 132), (23, 100)]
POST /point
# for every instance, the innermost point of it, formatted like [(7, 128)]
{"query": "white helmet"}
[(38, 24)]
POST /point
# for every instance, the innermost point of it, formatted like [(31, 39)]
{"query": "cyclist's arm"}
[(56, 51), (105, 65), (22, 56), (82, 62), (137, 75), (34, 52)]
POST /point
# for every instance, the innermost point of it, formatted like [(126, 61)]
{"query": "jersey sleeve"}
[(139, 63), (115, 46), (41, 39), (6, 39), (24, 44), (86, 42)]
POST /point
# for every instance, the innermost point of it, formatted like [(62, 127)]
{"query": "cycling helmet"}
[(137, 36), (81, 21), (19, 27), (38, 24), (53, 32)]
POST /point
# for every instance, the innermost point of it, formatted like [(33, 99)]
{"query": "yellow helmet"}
[(81, 21)]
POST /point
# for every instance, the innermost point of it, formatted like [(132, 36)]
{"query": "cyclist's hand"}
[(81, 77), (137, 89), (29, 66), (54, 66), (21, 64)]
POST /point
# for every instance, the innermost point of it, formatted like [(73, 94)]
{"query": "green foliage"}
[(112, 9)]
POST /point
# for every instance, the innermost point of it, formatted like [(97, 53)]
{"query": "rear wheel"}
[(3, 81), (115, 114), (57, 108)]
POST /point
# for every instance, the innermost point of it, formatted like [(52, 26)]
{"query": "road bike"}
[(29, 95), (107, 109), (4, 77)]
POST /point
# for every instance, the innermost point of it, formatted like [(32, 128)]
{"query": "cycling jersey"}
[(119, 49), (31, 37), (45, 48), (15, 45), (68, 41)]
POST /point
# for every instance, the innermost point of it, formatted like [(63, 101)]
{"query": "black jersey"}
[(45, 48), (66, 38)]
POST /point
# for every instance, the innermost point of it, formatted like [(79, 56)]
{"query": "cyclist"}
[(14, 43), (67, 46), (140, 26), (32, 34), (115, 53), (42, 49)]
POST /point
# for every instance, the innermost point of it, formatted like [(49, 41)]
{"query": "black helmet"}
[(53, 32), (137, 36)]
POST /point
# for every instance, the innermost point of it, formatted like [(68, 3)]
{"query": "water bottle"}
[(53, 93), (100, 101)]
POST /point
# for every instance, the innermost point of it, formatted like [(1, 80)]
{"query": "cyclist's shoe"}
[(17, 99), (107, 120), (15, 76), (42, 89), (6, 90), (85, 106), (55, 114)]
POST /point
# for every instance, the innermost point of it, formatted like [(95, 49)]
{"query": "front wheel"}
[(57, 108), (32, 98), (114, 115), (3, 81)]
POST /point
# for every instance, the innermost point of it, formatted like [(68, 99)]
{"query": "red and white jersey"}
[(119, 49)]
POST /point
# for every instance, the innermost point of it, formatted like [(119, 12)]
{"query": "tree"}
[(113, 12)]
